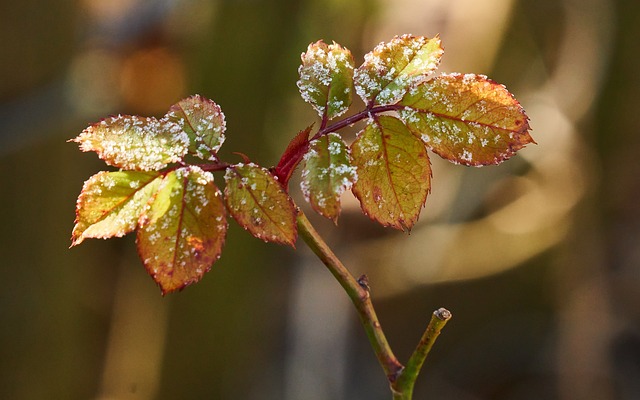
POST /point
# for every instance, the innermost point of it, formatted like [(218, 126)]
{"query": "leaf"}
[(467, 119), (111, 203), (393, 68), (135, 143), (259, 203), (326, 78), (204, 123), (394, 175), (326, 174), (291, 157), (182, 233)]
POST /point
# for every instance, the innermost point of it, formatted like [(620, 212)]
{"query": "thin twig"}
[(406, 381)]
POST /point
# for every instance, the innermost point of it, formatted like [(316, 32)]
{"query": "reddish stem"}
[(355, 118)]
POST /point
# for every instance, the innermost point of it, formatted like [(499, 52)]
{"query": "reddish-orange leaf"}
[(182, 233), (394, 174), (258, 202), (467, 119)]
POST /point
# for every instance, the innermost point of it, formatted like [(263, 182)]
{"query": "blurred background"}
[(538, 258)]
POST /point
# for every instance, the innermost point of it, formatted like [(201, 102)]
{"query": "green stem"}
[(359, 295), (406, 381), (401, 379)]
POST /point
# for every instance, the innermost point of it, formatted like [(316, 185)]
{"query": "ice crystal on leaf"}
[(259, 203), (394, 174), (135, 143), (111, 203), (393, 68), (326, 174), (203, 121), (468, 119), (326, 78), (182, 233)]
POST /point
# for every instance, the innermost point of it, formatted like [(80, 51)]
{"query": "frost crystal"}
[(204, 123), (467, 119), (393, 68), (259, 203), (393, 172), (326, 78), (135, 143), (183, 231), (327, 173), (111, 203)]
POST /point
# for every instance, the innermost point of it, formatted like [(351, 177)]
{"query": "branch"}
[(370, 110), (358, 293), (406, 381)]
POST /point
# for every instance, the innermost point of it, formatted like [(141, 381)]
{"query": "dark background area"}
[(538, 258)]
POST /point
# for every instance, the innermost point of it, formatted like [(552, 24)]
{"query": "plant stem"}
[(359, 295), (406, 381), (401, 379), (370, 110)]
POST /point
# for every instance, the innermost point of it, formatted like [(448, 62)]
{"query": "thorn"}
[(363, 281), (244, 157)]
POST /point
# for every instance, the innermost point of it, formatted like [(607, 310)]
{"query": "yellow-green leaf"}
[(326, 174), (111, 203), (259, 203), (393, 68), (135, 143), (467, 119), (183, 232), (394, 174), (326, 78), (204, 123)]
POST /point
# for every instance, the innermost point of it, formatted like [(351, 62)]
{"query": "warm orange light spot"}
[(150, 79)]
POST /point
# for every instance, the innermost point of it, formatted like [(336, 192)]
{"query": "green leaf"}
[(394, 174), (326, 78), (111, 203), (467, 119), (135, 143), (259, 203), (326, 174), (393, 68), (183, 232), (203, 121)]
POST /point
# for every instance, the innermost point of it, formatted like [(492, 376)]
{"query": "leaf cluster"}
[(180, 214)]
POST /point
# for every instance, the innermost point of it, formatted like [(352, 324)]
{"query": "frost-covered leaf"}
[(292, 156), (326, 174), (182, 233), (468, 119), (135, 143), (326, 78), (394, 174), (111, 203), (392, 68), (259, 203), (204, 123)]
